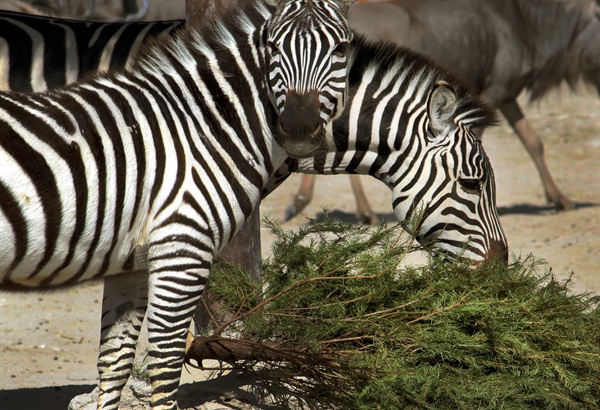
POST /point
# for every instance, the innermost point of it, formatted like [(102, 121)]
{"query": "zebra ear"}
[(346, 3), (441, 106)]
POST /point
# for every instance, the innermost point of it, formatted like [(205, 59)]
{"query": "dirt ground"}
[(48, 350)]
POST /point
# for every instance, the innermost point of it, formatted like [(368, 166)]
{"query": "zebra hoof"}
[(137, 394)]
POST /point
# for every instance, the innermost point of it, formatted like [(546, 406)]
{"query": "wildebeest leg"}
[(302, 198), (305, 195), (90, 6), (535, 148), (364, 213), (132, 12)]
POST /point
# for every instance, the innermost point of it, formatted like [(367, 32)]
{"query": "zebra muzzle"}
[(300, 127), (497, 252)]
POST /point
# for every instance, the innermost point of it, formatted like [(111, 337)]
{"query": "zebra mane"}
[(387, 56), (232, 27)]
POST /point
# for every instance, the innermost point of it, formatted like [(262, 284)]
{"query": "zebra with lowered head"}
[(138, 177), (411, 125)]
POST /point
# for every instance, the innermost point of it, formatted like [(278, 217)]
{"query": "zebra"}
[(413, 126), (39, 53), (494, 242), (139, 177), (84, 31), (64, 50)]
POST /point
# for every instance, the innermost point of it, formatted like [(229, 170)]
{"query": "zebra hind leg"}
[(123, 310)]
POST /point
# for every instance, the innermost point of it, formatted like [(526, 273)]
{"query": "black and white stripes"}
[(298, 65), (410, 125), (143, 175), (38, 53), (302, 56)]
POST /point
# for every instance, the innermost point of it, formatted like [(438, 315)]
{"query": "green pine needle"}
[(442, 336)]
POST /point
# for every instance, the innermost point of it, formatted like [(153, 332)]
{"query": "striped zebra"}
[(493, 238), (410, 125), (139, 177), (39, 53)]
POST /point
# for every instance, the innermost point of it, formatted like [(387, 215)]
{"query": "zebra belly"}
[(37, 268), (39, 249), (58, 223), (61, 269)]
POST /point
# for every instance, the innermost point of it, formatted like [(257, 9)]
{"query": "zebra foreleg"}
[(178, 275), (123, 310)]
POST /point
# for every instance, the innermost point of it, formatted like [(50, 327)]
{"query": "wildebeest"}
[(502, 47)]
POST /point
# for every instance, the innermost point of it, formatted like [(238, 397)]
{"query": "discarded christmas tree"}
[(340, 321)]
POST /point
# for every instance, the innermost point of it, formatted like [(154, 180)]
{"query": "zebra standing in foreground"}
[(410, 125), (482, 226), (148, 173), (39, 53)]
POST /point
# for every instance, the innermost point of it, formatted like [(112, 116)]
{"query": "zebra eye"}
[(340, 50), (273, 49), (470, 186)]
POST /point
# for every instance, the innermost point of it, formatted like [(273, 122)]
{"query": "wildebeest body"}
[(502, 47)]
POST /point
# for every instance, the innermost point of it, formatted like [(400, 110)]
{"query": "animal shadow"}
[(535, 209), (47, 398), (348, 217)]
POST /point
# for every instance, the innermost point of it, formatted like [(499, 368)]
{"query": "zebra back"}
[(39, 53)]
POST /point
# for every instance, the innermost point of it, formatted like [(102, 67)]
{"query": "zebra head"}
[(306, 61), (448, 192)]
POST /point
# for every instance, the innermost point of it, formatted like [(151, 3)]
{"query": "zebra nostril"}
[(317, 129), (498, 252), (299, 121)]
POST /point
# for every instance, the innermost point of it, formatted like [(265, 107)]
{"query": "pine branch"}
[(339, 318)]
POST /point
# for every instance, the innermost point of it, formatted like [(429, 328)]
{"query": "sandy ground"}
[(48, 350)]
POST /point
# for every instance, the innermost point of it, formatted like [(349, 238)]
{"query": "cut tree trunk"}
[(223, 349), (244, 250)]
